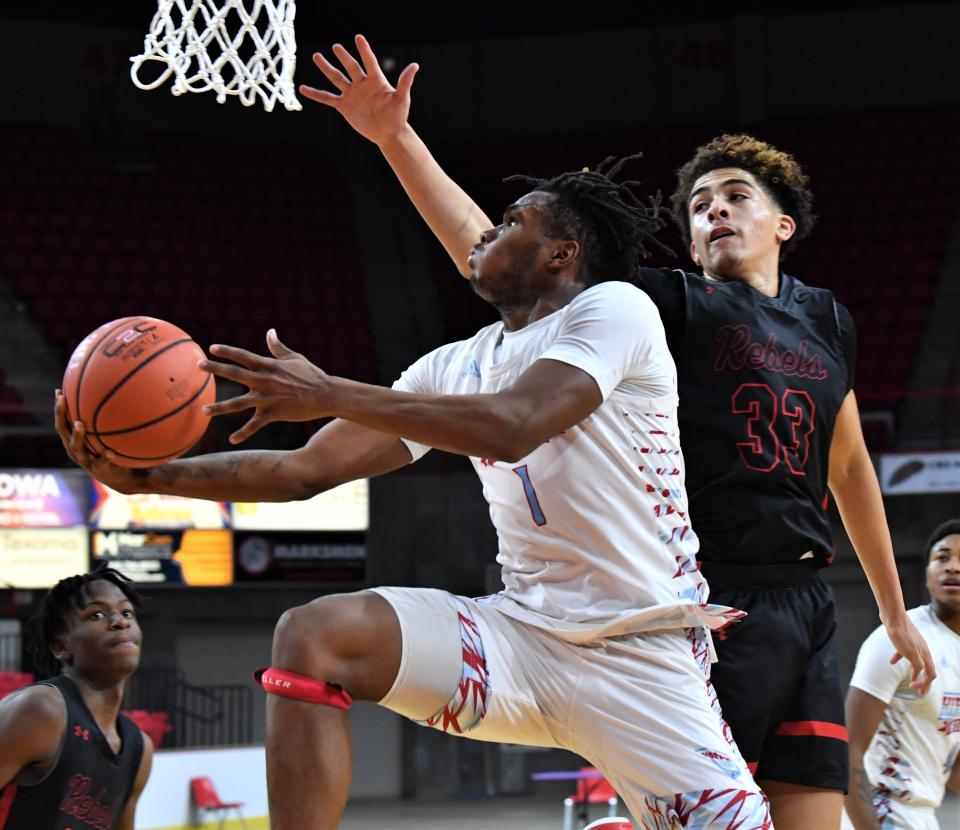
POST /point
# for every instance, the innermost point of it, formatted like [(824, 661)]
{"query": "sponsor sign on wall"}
[(41, 557), (921, 472), (114, 511), (174, 557), (43, 498), (300, 557), (343, 508)]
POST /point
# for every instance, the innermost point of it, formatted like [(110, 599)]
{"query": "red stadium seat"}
[(206, 800)]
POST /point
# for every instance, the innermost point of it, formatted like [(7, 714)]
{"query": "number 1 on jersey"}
[(534, 503)]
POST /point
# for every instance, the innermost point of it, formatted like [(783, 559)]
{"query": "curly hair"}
[(612, 223), (947, 528), (777, 172), (67, 595)]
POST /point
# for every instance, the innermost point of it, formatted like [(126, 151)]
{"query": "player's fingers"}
[(330, 72), (237, 355), (354, 70), (60, 419), (370, 63), (897, 657), (249, 428), (405, 81), (321, 96), (278, 349), (228, 371), (238, 404), (79, 451)]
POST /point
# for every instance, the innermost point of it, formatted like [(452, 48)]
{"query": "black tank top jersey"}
[(89, 786), (761, 380)]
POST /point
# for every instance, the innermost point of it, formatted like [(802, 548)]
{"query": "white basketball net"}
[(245, 48)]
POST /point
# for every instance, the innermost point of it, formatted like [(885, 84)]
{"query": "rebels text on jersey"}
[(761, 380)]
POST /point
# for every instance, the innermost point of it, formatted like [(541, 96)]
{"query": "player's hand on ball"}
[(285, 387), (909, 643), (367, 101), (101, 467)]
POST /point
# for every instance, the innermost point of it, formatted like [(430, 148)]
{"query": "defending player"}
[(904, 746), (598, 642), (768, 419), (67, 756)]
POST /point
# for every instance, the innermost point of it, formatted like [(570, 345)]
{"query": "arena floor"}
[(533, 813)]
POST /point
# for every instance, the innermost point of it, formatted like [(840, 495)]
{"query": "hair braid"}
[(613, 224)]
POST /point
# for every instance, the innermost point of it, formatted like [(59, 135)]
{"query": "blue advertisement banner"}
[(43, 498)]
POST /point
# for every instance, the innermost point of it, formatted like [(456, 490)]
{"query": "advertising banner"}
[(114, 511), (920, 472), (343, 508), (43, 498), (40, 558), (300, 557), (167, 557)]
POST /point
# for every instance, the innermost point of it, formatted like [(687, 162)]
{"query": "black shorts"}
[(776, 675)]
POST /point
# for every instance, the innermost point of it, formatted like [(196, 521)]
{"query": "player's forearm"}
[(859, 799), (252, 475), (452, 215), (859, 500), (482, 426)]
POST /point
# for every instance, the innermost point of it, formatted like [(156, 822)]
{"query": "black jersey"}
[(88, 787), (761, 380)]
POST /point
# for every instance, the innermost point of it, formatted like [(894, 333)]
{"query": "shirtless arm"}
[(32, 724), (143, 773)]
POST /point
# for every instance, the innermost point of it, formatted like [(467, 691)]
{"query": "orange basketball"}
[(135, 385)]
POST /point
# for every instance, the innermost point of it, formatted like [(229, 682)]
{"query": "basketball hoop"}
[(245, 48)]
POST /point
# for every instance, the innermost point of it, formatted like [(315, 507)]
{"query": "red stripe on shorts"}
[(7, 794), (819, 728), (752, 766)]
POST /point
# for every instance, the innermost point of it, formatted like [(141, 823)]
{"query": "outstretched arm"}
[(379, 112), (863, 714), (546, 399), (854, 485), (339, 452)]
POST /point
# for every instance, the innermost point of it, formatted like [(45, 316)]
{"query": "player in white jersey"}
[(599, 642), (904, 747)]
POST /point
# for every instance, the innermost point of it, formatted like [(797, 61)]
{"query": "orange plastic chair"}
[(206, 800), (593, 790)]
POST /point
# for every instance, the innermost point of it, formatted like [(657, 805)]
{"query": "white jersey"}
[(594, 536), (918, 740)]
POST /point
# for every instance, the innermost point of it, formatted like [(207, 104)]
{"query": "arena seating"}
[(211, 238), (225, 245)]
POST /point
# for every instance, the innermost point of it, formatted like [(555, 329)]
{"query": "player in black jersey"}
[(768, 420), (68, 758)]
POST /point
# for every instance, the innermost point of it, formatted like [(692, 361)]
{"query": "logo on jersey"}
[(722, 762), (738, 350), (97, 811), (950, 713), (472, 371)]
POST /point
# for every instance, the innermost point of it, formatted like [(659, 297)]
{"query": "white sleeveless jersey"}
[(594, 536), (918, 740)]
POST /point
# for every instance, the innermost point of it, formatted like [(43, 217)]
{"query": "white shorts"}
[(900, 816), (639, 707)]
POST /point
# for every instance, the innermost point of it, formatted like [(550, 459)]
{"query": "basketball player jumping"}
[(769, 421), (599, 641), (68, 758)]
